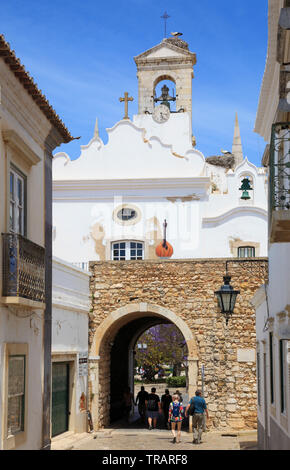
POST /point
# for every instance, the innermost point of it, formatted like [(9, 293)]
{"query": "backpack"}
[(191, 409), (152, 405), (175, 409)]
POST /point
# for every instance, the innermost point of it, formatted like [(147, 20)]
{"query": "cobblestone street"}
[(143, 439)]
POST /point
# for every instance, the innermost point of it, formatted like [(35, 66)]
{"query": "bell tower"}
[(170, 60)]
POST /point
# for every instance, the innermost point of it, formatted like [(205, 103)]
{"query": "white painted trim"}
[(18, 145), (71, 307), (65, 266), (180, 51), (242, 210), (243, 166), (202, 182), (71, 292)]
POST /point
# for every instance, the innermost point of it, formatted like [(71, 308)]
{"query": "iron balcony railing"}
[(279, 182), (23, 268)]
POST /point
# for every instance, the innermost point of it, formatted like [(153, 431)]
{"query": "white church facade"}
[(111, 203)]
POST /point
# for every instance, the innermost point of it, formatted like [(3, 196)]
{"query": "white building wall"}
[(83, 204), (221, 238), (274, 426), (279, 276), (189, 231), (273, 316), (70, 319), (21, 324), (23, 327)]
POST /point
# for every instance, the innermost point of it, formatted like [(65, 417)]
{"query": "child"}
[(175, 417)]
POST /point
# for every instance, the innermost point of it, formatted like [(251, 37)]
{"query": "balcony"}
[(23, 274), (279, 184)]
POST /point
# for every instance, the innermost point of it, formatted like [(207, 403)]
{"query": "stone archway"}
[(129, 320)]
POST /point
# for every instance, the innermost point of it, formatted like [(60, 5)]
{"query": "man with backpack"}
[(196, 408), (153, 406), (175, 417)]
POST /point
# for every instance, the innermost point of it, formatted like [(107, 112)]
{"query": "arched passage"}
[(110, 354)]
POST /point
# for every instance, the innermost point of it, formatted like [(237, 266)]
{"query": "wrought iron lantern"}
[(227, 298), (246, 186)]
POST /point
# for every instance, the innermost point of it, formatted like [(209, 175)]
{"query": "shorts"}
[(175, 420), (152, 414)]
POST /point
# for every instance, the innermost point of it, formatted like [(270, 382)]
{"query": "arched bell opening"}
[(164, 92)]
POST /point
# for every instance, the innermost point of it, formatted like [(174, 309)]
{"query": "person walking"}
[(180, 395), (175, 417), (128, 401), (197, 407), (153, 406), (140, 401), (166, 399)]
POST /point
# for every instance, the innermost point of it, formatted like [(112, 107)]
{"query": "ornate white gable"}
[(128, 154)]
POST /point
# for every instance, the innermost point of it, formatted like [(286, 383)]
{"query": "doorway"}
[(60, 398)]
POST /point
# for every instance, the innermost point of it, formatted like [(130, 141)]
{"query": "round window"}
[(127, 213)]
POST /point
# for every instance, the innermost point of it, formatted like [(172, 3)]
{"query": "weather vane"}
[(165, 16)]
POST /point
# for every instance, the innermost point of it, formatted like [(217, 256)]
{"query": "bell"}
[(245, 195), (166, 103), (246, 186)]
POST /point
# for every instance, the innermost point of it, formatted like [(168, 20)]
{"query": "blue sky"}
[(80, 54)]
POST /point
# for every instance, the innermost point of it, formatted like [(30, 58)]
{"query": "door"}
[(60, 397)]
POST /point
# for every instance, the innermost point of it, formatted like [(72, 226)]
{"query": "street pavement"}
[(137, 437), (108, 440)]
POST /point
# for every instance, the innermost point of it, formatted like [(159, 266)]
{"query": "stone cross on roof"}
[(126, 99)]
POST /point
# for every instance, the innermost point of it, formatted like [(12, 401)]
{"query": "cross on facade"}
[(126, 99)]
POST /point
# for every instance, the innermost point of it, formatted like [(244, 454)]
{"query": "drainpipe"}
[(46, 431)]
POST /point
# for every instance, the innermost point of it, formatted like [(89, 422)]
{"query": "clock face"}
[(161, 113)]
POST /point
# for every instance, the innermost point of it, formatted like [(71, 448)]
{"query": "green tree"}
[(164, 345)]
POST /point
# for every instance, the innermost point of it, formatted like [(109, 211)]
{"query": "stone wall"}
[(186, 287)]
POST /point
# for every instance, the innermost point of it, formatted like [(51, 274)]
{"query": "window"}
[(271, 367), (17, 202), (127, 214), (246, 251), (127, 251), (16, 394)]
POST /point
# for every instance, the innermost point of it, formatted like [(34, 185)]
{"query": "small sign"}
[(83, 364), (246, 355)]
